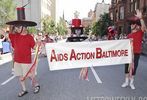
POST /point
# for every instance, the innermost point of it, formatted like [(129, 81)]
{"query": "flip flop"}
[(36, 89), (22, 93)]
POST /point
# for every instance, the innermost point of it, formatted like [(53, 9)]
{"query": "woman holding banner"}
[(137, 29)]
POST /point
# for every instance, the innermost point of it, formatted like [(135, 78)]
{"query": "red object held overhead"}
[(76, 22)]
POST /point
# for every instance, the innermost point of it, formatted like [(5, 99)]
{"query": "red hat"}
[(110, 29), (21, 19)]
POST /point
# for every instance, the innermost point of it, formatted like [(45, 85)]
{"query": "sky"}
[(70, 6)]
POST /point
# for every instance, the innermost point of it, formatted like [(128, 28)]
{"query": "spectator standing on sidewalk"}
[(1, 46), (137, 29)]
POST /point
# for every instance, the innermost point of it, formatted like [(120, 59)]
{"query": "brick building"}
[(121, 10)]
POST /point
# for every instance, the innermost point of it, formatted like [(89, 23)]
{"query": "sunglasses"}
[(132, 23)]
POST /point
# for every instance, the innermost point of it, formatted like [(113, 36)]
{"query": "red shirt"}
[(22, 45), (137, 41)]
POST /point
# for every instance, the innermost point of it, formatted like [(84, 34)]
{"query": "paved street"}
[(65, 85), (5, 58)]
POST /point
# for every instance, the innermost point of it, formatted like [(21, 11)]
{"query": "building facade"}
[(87, 21), (35, 10), (100, 9), (121, 10)]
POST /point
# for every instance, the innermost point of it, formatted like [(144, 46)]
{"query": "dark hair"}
[(137, 22)]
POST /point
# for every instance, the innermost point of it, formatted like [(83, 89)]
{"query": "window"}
[(116, 18), (112, 2), (121, 30), (131, 6), (145, 7), (111, 16), (137, 4), (48, 7), (121, 15)]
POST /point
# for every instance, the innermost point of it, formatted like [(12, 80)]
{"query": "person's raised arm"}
[(3, 38), (2, 32), (11, 30), (139, 15)]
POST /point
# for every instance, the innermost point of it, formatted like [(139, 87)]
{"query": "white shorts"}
[(21, 69)]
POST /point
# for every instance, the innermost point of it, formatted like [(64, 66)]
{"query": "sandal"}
[(36, 89), (22, 93)]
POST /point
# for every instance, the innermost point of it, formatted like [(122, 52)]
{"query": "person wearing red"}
[(22, 43), (111, 33), (137, 29)]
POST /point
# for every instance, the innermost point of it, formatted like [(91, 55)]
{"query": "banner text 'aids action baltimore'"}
[(98, 54)]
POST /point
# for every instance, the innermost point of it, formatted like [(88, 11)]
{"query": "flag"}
[(131, 65), (33, 67)]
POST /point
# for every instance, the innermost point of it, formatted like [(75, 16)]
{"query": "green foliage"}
[(96, 28), (61, 27), (100, 27), (7, 11), (49, 26), (87, 30), (32, 30)]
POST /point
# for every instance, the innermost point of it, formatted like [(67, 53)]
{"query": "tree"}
[(100, 27), (32, 30), (49, 26), (7, 11), (87, 29), (61, 27)]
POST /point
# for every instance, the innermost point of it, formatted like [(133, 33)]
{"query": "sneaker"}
[(132, 86), (125, 84), (12, 71)]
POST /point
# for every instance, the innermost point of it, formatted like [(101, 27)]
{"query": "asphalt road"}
[(65, 84)]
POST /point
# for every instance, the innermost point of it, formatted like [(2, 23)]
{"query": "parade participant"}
[(111, 33), (47, 39), (136, 35), (76, 36), (22, 42)]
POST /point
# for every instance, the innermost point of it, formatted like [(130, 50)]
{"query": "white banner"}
[(86, 54)]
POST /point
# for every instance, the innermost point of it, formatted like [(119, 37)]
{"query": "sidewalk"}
[(5, 58)]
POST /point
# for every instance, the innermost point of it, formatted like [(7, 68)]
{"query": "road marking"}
[(5, 82), (96, 75)]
